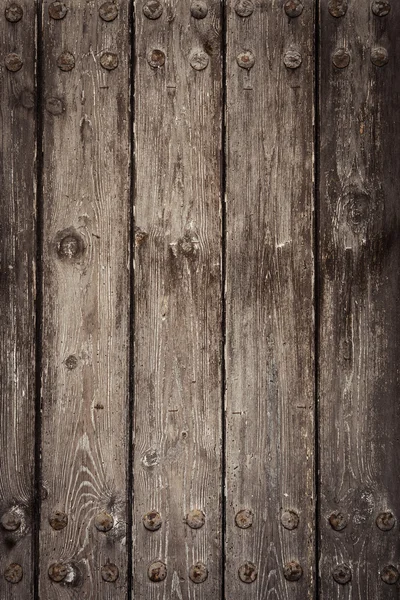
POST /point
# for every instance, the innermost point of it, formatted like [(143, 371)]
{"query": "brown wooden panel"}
[(270, 315), (177, 464), (17, 296), (359, 293), (86, 141)]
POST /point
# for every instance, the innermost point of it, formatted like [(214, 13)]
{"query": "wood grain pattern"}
[(269, 283), (359, 289), (177, 460), (17, 298), (86, 156)]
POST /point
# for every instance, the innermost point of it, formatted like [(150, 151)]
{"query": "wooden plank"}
[(86, 157), (359, 287), (177, 461), (269, 283), (17, 296)]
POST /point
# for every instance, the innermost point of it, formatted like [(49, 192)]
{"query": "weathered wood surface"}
[(177, 458), (269, 283), (86, 201), (359, 266), (17, 297)]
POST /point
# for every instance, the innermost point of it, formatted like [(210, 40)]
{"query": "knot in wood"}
[(71, 362), (293, 8), (157, 571), (390, 574), (14, 13), (57, 10), (290, 520), (109, 572), (13, 573), (244, 519), (13, 62), (292, 571), (337, 8), (244, 8), (196, 519), (198, 9), (248, 572), (152, 520), (153, 9), (70, 246), (341, 574), (108, 11), (198, 573)]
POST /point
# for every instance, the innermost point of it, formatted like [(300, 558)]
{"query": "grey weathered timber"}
[(17, 297), (177, 436), (269, 295), (359, 274), (86, 208)]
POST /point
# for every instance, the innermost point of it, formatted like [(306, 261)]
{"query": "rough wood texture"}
[(269, 283), (86, 300), (359, 294), (177, 463), (17, 297)]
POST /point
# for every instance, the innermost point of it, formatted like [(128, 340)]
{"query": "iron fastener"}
[(13, 13), (292, 59), (338, 521), (153, 9), (244, 519), (58, 572), (156, 58), (292, 571), (244, 8), (385, 521), (103, 521), (11, 521), (195, 518), (381, 8), (108, 11), (390, 574), (293, 8), (109, 61), (337, 8), (199, 9), (198, 60), (248, 572), (341, 574), (13, 62), (55, 106), (379, 56), (341, 58), (245, 60), (198, 573), (57, 10), (157, 571), (109, 572), (152, 520), (58, 520), (13, 573), (66, 61), (290, 520)]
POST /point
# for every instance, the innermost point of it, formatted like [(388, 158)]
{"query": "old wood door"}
[(199, 288)]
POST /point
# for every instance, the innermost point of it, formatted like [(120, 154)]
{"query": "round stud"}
[(108, 11), (390, 574), (70, 246), (156, 59), (198, 9), (341, 574), (153, 9), (290, 520), (292, 571), (109, 572), (381, 8), (292, 59), (109, 61), (248, 572), (199, 60), (58, 572), (103, 521), (11, 521), (58, 520), (152, 520), (338, 521), (246, 60), (54, 106), (244, 519), (379, 56), (13, 573), (196, 519), (337, 8), (13, 13), (293, 8), (71, 362), (66, 61), (198, 573), (385, 521), (244, 8), (13, 62), (157, 571), (57, 10), (341, 58)]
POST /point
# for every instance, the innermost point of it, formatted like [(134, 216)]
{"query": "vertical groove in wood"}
[(269, 294), (86, 181), (177, 462), (359, 260), (17, 298)]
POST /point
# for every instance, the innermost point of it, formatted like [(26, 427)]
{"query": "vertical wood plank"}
[(177, 462), (17, 296), (359, 287), (86, 157), (269, 291)]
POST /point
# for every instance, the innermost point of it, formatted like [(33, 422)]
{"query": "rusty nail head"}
[(385, 521), (379, 56), (153, 9), (248, 572), (13, 573), (11, 521), (338, 521), (292, 59), (341, 574), (13, 13), (58, 572), (390, 574), (58, 520), (13, 62), (198, 60), (244, 519), (57, 10), (292, 571), (341, 58), (108, 11), (381, 8), (245, 59), (103, 521), (244, 8), (71, 362), (156, 58), (157, 571), (198, 573), (198, 9), (290, 520), (55, 106), (196, 518), (293, 8), (337, 8), (152, 520), (109, 572), (109, 61), (66, 61), (70, 247)]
